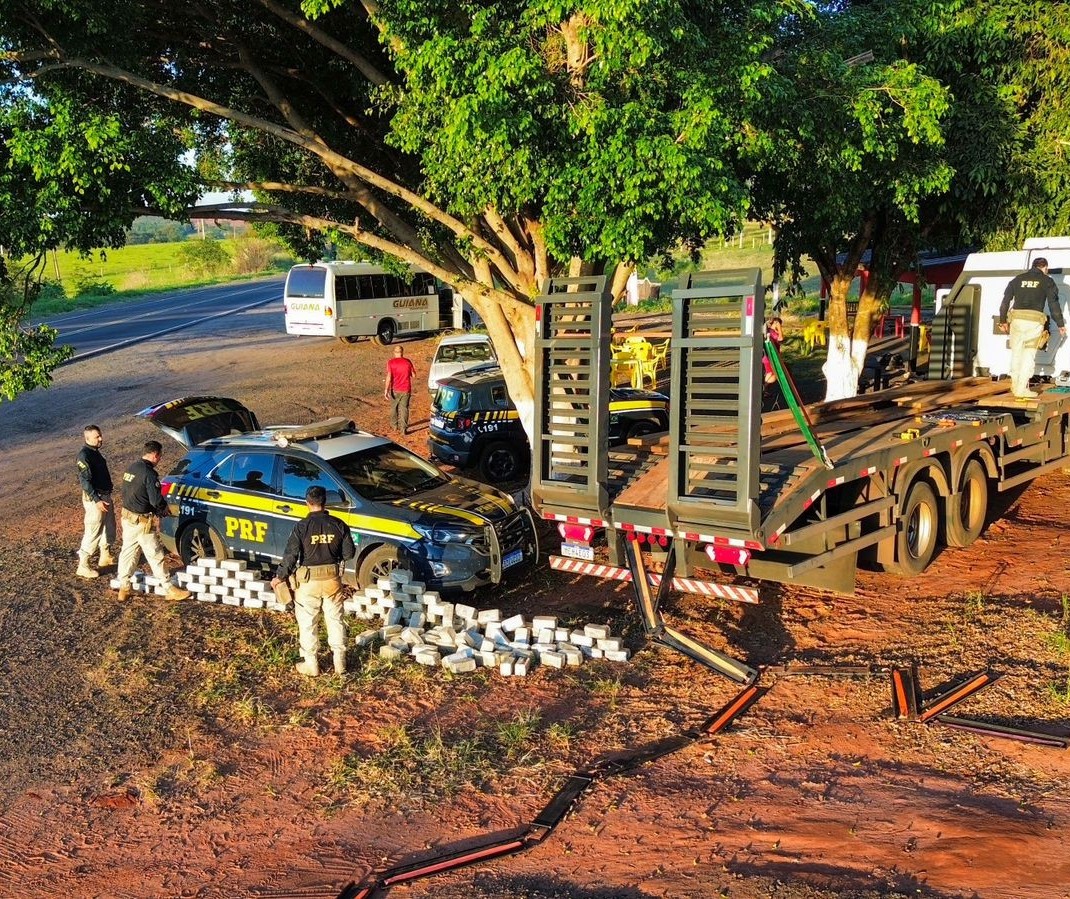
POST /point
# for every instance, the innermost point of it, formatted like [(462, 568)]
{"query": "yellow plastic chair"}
[(625, 362), (661, 355)]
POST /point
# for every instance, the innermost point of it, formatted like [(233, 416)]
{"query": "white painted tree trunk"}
[(843, 366)]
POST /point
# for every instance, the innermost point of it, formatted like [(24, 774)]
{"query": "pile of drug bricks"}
[(232, 582), (460, 638)]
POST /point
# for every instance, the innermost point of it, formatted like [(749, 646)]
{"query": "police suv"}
[(474, 422), (240, 489)]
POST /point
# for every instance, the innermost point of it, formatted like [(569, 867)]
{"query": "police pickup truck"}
[(240, 489), (474, 423)]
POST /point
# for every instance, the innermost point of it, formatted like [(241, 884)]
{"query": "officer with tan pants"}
[(1029, 293), (315, 553), (142, 505), (99, 522)]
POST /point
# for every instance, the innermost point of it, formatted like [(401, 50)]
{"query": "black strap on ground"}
[(956, 694)]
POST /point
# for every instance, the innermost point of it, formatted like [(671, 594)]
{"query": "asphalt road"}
[(95, 331)]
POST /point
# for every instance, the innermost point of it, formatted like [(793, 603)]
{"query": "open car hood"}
[(193, 420)]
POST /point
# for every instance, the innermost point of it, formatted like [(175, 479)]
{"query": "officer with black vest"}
[(142, 505), (95, 480), (1029, 292), (315, 553)]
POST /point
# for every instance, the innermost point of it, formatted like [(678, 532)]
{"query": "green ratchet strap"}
[(787, 387)]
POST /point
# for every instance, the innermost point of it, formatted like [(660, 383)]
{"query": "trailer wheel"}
[(916, 541), (967, 510)]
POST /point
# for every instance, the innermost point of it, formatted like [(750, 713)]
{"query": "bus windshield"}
[(306, 282)]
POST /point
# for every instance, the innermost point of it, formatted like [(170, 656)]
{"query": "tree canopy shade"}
[(490, 142), (955, 132)]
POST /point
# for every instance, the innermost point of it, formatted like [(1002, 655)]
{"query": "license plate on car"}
[(513, 558), (578, 551), (437, 421)]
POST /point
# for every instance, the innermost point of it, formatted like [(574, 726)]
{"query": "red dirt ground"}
[(115, 782)]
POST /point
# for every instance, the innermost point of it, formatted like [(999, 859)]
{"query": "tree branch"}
[(365, 67)]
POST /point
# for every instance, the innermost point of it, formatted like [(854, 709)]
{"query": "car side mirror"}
[(336, 498)]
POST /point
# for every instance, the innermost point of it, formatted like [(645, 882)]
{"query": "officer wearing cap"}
[(315, 553), (95, 480), (1029, 292), (142, 505)]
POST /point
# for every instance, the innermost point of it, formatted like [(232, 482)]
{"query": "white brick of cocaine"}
[(231, 601), (196, 587), (243, 594), (182, 578), (540, 648), (427, 655), (232, 564), (460, 665), (367, 638), (486, 616), (246, 575), (208, 563), (417, 620), (598, 631), (488, 659), (611, 643), (579, 638), (196, 569), (617, 655), (594, 652), (412, 636), (399, 577), (410, 605), (447, 613), (398, 643), (464, 612), (521, 666), (390, 630), (522, 633), (543, 622), (572, 656), (561, 634), (390, 653), (545, 635), (431, 597), (205, 597), (395, 617), (272, 606), (219, 590), (553, 659), (259, 585), (511, 624), (492, 629), (414, 588), (253, 603), (505, 667)]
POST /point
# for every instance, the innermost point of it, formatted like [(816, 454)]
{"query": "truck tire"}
[(200, 541), (500, 463), (642, 428), (968, 509), (919, 527), (378, 563), (385, 332)]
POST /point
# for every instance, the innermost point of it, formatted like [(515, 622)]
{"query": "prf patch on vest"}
[(321, 538)]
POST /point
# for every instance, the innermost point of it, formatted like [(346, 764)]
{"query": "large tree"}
[(491, 143), (919, 126)]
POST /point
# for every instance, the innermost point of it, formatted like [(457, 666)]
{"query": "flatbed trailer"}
[(734, 492)]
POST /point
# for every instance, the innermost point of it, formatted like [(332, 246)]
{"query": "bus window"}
[(306, 282)]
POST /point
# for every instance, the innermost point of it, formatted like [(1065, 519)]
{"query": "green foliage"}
[(207, 257), (28, 355), (88, 284)]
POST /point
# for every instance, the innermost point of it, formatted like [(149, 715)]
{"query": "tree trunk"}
[(843, 366)]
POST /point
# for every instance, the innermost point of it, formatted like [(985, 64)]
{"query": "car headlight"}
[(450, 533)]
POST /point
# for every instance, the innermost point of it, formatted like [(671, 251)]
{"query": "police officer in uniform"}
[(317, 547), (142, 505), (1030, 292), (95, 479)]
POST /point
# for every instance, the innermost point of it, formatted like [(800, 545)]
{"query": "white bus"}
[(350, 300)]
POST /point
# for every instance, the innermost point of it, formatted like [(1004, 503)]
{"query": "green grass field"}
[(129, 272)]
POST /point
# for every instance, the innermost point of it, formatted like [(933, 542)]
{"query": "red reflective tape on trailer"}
[(900, 461), (956, 444), (835, 482), (687, 585), (625, 526), (692, 537), (929, 452), (866, 472), (661, 532)]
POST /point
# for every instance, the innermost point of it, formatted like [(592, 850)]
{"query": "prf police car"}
[(240, 489), (474, 422)]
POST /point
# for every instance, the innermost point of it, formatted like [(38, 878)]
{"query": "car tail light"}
[(728, 555), (576, 533), (166, 487)]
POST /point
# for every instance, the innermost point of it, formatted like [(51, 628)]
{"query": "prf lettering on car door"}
[(246, 529)]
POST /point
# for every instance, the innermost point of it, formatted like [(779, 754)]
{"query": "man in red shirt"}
[(398, 387)]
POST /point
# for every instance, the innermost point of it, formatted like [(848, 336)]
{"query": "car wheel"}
[(915, 543), (500, 463), (378, 563), (967, 510), (200, 541), (349, 338), (385, 333), (641, 429)]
